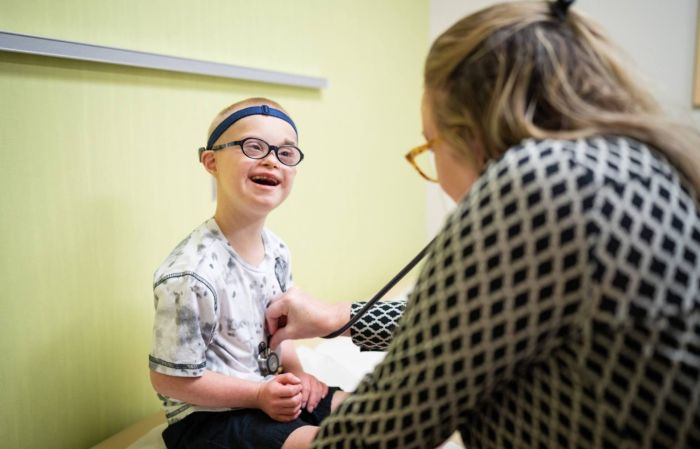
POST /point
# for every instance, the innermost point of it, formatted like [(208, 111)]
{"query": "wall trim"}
[(35, 45)]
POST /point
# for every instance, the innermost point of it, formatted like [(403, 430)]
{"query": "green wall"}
[(99, 180)]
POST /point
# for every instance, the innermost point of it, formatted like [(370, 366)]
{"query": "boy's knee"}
[(301, 438)]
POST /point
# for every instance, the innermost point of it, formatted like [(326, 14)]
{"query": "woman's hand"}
[(295, 314), (280, 398)]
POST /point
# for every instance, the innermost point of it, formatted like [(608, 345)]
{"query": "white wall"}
[(657, 36)]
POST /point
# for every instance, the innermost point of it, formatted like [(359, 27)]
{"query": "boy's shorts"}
[(240, 429)]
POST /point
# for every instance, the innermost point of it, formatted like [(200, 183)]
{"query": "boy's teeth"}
[(264, 180)]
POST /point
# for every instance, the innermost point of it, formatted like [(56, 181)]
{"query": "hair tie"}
[(560, 8)]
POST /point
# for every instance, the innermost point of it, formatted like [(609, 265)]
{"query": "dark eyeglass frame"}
[(241, 143)]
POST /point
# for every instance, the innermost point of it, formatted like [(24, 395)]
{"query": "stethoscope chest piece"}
[(268, 360)]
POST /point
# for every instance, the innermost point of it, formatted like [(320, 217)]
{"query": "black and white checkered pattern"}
[(558, 308), (375, 330)]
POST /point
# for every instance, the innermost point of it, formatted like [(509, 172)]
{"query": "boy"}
[(209, 363)]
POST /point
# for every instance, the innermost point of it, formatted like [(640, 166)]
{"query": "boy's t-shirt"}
[(210, 309)]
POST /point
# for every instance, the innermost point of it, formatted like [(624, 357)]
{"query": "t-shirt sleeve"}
[(502, 289), (375, 329), (184, 324)]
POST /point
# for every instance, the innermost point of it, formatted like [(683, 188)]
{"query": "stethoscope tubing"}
[(404, 271)]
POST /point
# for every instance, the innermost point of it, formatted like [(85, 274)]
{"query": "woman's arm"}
[(375, 329), (296, 314)]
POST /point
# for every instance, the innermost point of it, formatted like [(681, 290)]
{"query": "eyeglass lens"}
[(258, 149), (426, 162)]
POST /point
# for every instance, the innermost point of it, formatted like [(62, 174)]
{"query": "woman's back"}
[(559, 308), (620, 362)]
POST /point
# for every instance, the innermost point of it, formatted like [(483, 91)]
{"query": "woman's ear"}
[(209, 162)]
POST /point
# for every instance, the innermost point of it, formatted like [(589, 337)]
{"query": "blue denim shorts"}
[(240, 429)]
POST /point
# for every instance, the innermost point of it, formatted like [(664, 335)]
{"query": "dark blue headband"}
[(236, 116)]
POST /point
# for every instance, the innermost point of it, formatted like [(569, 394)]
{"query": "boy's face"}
[(253, 186)]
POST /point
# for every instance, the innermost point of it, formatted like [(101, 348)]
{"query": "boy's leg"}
[(300, 438), (237, 429), (338, 397), (324, 408)]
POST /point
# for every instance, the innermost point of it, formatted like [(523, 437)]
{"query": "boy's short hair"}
[(256, 101)]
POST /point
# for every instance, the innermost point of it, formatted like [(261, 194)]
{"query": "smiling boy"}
[(209, 362)]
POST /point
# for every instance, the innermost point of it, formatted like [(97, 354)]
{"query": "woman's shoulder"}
[(607, 159), (599, 153), (535, 173)]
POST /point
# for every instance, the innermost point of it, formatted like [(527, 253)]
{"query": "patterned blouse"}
[(558, 308)]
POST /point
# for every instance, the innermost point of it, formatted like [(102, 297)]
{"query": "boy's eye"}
[(254, 146)]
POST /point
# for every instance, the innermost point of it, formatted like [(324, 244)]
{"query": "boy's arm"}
[(290, 359), (211, 389), (313, 389), (280, 397)]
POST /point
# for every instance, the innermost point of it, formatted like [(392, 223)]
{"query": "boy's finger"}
[(288, 379), (290, 391), (314, 398), (289, 409), (305, 395), (288, 405)]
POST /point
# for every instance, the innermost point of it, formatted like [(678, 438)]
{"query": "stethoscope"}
[(268, 360)]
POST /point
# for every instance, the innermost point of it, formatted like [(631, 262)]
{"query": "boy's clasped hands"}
[(283, 397)]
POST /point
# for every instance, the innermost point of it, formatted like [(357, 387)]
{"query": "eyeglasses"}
[(423, 161), (255, 148)]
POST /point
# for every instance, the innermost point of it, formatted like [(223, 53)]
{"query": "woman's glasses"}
[(422, 159)]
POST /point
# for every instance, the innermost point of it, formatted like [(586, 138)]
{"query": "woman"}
[(558, 306)]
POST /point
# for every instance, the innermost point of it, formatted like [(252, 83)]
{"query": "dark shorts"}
[(240, 429)]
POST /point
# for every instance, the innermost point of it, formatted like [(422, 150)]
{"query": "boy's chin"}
[(267, 203)]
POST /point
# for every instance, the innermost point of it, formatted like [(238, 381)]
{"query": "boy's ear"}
[(209, 161)]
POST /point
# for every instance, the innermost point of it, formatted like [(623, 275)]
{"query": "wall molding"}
[(35, 45)]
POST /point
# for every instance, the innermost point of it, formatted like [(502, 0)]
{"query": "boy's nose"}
[(270, 159)]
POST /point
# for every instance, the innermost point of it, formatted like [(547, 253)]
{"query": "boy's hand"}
[(280, 398), (313, 390)]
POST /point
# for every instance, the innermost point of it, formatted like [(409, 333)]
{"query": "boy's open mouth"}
[(264, 180)]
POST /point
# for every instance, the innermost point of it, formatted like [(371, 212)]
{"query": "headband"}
[(242, 113)]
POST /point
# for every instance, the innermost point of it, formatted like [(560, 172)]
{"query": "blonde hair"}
[(515, 71), (256, 101)]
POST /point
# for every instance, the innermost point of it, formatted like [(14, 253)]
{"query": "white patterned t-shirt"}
[(210, 309)]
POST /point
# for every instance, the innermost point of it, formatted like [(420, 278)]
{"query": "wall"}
[(657, 37), (99, 180)]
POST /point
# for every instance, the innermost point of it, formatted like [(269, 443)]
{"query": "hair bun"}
[(560, 8)]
